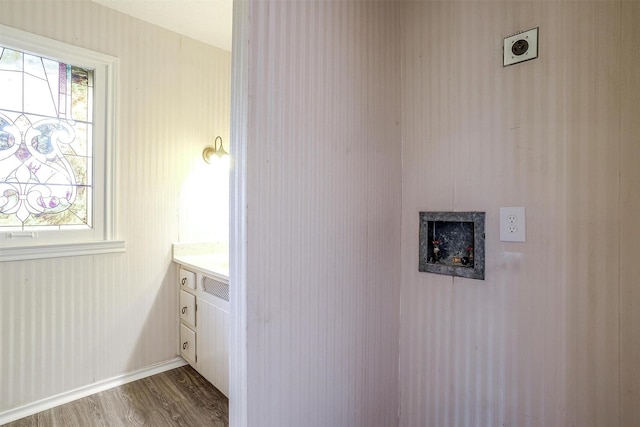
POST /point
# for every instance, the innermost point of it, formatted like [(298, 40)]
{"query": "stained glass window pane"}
[(10, 79), (46, 127)]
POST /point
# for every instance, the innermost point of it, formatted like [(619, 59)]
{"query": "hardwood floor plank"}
[(180, 397), (31, 421)]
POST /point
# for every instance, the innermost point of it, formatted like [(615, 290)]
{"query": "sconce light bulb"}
[(207, 153)]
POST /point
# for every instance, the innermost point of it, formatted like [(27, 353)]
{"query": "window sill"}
[(62, 250)]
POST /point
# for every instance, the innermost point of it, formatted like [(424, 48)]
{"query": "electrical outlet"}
[(512, 224)]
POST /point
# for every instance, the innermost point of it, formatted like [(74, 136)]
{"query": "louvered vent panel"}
[(216, 288)]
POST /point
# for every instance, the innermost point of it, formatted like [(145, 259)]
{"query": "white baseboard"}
[(69, 396)]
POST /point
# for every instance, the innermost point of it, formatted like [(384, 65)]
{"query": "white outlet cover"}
[(513, 224), (528, 42)]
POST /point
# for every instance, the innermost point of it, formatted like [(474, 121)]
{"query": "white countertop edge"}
[(195, 262)]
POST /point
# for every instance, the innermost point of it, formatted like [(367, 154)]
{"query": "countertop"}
[(209, 258)]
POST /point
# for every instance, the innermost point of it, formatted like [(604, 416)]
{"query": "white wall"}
[(71, 322), (323, 203), (551, 336)]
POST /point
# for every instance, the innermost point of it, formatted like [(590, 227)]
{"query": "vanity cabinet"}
[(204, 324)]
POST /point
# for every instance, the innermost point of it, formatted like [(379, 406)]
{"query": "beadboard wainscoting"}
[(323, 213)]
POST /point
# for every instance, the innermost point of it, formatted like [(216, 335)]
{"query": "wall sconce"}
[(209, 151)]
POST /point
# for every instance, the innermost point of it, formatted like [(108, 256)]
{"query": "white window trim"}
[(103, 241)]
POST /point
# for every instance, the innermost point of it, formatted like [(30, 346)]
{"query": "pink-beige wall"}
[(323, 204), (550, 338), (629, 202)]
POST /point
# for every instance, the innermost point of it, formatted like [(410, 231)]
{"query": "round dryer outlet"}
[(520, 47)]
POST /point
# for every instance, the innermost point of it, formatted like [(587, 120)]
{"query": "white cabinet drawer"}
[(187, 278), (188, 344), (188, 308)]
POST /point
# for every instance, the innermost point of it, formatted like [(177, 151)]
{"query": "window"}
[(56, 148)]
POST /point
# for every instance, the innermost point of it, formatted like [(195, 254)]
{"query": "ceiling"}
[(206, 20)]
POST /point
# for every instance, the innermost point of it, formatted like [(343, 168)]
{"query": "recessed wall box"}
[(452, 243), (520, 47)]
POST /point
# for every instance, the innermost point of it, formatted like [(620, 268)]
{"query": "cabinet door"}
[(187, 278), (188, 308), (188, 344), (213, 345)]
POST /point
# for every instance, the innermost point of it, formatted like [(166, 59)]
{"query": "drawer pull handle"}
[(184, 345), (184, 310), (184, 281)]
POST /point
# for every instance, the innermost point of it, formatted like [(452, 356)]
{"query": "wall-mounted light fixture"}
[(209, 151)]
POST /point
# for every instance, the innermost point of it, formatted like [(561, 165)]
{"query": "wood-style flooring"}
[(179, 397)]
